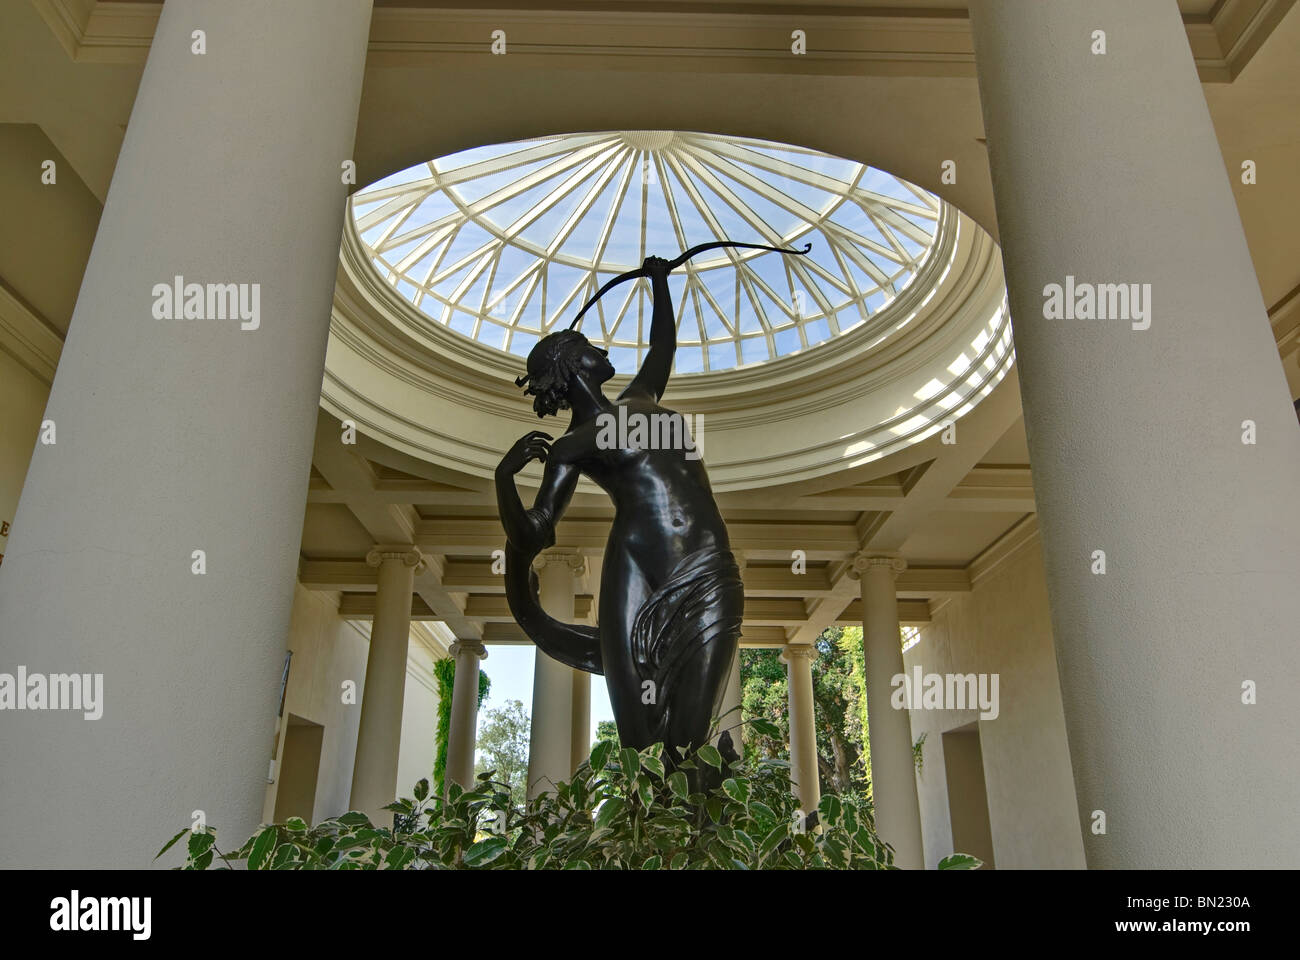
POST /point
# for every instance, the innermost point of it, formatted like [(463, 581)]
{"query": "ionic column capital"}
[(408, 554), (798, 651), (470, 647), (570, 558), (864, 562)]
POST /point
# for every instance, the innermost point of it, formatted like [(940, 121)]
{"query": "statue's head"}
[(554, 364)]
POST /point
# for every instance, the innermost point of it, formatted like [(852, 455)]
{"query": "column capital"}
[(864, 561), (472, 647), (570, 558), (409, 554), (798, 651)]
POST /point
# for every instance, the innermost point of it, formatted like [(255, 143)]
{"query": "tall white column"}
[(798, 659), (580, 731), (462, 734), (893, 771), (729, 711), (176, 436), (582, 681), (379, 734), (1178, 663), (550, 746)]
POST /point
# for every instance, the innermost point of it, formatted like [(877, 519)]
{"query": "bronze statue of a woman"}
[(671, 599)]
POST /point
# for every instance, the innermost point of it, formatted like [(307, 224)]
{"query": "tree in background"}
[(839, 709), (764, 693), (444, 671), (607, 730), (503, 747), (852, 645)]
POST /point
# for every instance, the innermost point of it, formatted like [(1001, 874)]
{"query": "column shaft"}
[(729, 710), (550, 746), (1107, 170), (379, 734), (803, 725), (179, 435), (893, 771), (580, 734), (463, 733)]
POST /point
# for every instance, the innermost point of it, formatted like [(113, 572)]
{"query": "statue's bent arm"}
[(573, 644)]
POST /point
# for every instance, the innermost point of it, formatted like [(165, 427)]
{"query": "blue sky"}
[(511, 670)]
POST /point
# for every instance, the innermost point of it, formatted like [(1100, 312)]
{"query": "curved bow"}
[(674, 264)]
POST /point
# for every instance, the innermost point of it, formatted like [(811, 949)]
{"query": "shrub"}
[(621, 810)]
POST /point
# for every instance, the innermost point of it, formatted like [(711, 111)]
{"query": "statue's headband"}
[(551, 347)]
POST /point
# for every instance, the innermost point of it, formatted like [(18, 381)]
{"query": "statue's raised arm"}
[(652, 378)]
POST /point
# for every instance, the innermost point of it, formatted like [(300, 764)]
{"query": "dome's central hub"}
[(648, 139)]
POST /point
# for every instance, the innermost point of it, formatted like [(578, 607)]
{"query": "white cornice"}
[(67, 21), (1023, 534), (1240, 28), (881, 41), (28, 338)]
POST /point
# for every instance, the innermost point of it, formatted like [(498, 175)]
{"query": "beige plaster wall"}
[(1002, 626), (419, 720), (327, 651)]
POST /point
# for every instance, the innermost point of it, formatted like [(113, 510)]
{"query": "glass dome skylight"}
[(507, 242)]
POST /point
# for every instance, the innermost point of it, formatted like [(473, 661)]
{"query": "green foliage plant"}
[(622, 809)]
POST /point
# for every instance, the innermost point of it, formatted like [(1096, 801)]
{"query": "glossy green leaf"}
[(262, 846), (709, 754), (736, 789), (766, 727), (678, 784), (830, 809), (284, 853), (172, 842), (485, 851), (610, 809), (199, 843), (630, 761), (772, 841)]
